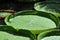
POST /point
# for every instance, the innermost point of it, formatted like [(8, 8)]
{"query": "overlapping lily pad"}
[(8, 36), (9, 33), (32, 20), (49, 6), (49, 35)]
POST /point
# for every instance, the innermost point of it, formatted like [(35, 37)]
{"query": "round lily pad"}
[(32, 20), (49, 35)]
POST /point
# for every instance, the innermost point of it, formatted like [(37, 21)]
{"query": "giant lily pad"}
[(33, 21), (8, 36), (49, 6), (50, 35)]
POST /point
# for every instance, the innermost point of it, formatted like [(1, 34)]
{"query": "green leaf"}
[(49, 6), (7, 29), (8, 36), (36, 23), (26, 12), (49, 35)]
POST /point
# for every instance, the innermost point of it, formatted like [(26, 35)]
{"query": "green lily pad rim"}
[(11, 30), (7, 36), (49, 33)]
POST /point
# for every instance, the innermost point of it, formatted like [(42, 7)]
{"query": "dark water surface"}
[(16, 6)]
